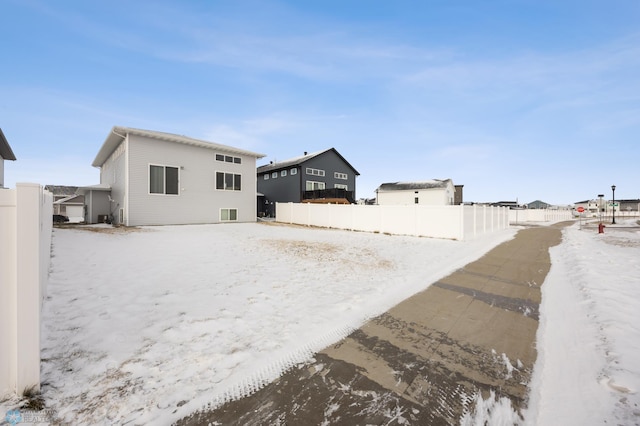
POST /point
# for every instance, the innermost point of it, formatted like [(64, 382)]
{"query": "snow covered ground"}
[(147, 326)]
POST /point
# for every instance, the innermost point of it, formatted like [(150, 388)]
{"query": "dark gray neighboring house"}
[(5, 154), (323, 176), (538, 205)]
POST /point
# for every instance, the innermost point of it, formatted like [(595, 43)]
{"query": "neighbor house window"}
[(228, 181), (266, 176), (293, 171), (311, 185), (274, 175), (339, 175), (228, 159), (315, 172), (163, 180), (227, 215), (283, 173), (340, 186)]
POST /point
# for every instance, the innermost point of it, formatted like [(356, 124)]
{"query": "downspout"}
[(126, 179)]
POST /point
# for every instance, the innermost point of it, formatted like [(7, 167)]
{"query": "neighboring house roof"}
[(71, 199), (61, 190), (118, 133), (405, 186), (5, 150), (296, 161)]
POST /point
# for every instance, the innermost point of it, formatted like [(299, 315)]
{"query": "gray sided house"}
[(323, 176), (156, 178), (5, 154)]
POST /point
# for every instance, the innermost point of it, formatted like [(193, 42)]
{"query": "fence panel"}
[(451, 222), (25, 244)]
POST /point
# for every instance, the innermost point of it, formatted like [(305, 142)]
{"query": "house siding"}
[(198, 200), (1, 171), (283, 188), (330, 162), (113, 173), (429, 197)]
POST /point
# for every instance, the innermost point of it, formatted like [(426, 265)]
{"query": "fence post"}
[(28, 297)]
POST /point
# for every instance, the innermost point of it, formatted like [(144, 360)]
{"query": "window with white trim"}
[(339, 175), (266, 176), (228, 181), (340, 186), (315, 172), (293, 171), (228, 215), (283, 173), (163, 180), (274, 174), (312, 185), (228, 159)]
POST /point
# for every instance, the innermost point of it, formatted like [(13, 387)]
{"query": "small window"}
[(228, 159), (340, 186), (283, 173), (314, 172), (294, 171), (227, 215), (416, 200), (266, 176), (339, 175), (274, 175)]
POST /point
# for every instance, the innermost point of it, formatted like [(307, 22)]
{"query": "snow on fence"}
[(25, 244), (539, 215), (451, 222)]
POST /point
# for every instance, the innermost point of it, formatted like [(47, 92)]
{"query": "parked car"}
[(58, 218)]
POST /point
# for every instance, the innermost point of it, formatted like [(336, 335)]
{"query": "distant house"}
[(5, 154), (156, 178), (67, 202), (510, 204), (435, 192), (324, 176), (538, 205)]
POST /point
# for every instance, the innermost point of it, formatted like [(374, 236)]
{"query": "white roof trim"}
[(118, 133)]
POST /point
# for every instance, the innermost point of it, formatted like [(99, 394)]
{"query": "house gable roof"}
[(296, 161), (406, 186), (5, 150), (118, 134), (61, 190)]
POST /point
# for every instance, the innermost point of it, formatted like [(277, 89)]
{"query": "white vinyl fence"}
[(451, 222), (539, 215), (25, 252)]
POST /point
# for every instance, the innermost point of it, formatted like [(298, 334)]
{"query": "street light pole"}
[(613, 189)]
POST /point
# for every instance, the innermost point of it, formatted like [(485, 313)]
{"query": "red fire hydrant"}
[(601, 228)]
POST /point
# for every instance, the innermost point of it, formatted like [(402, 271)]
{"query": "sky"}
[(515, 100)]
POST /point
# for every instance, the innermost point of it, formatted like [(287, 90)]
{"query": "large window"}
[(341, 186), (163, 180), (227, 215), (228, 181), (311, 185)]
